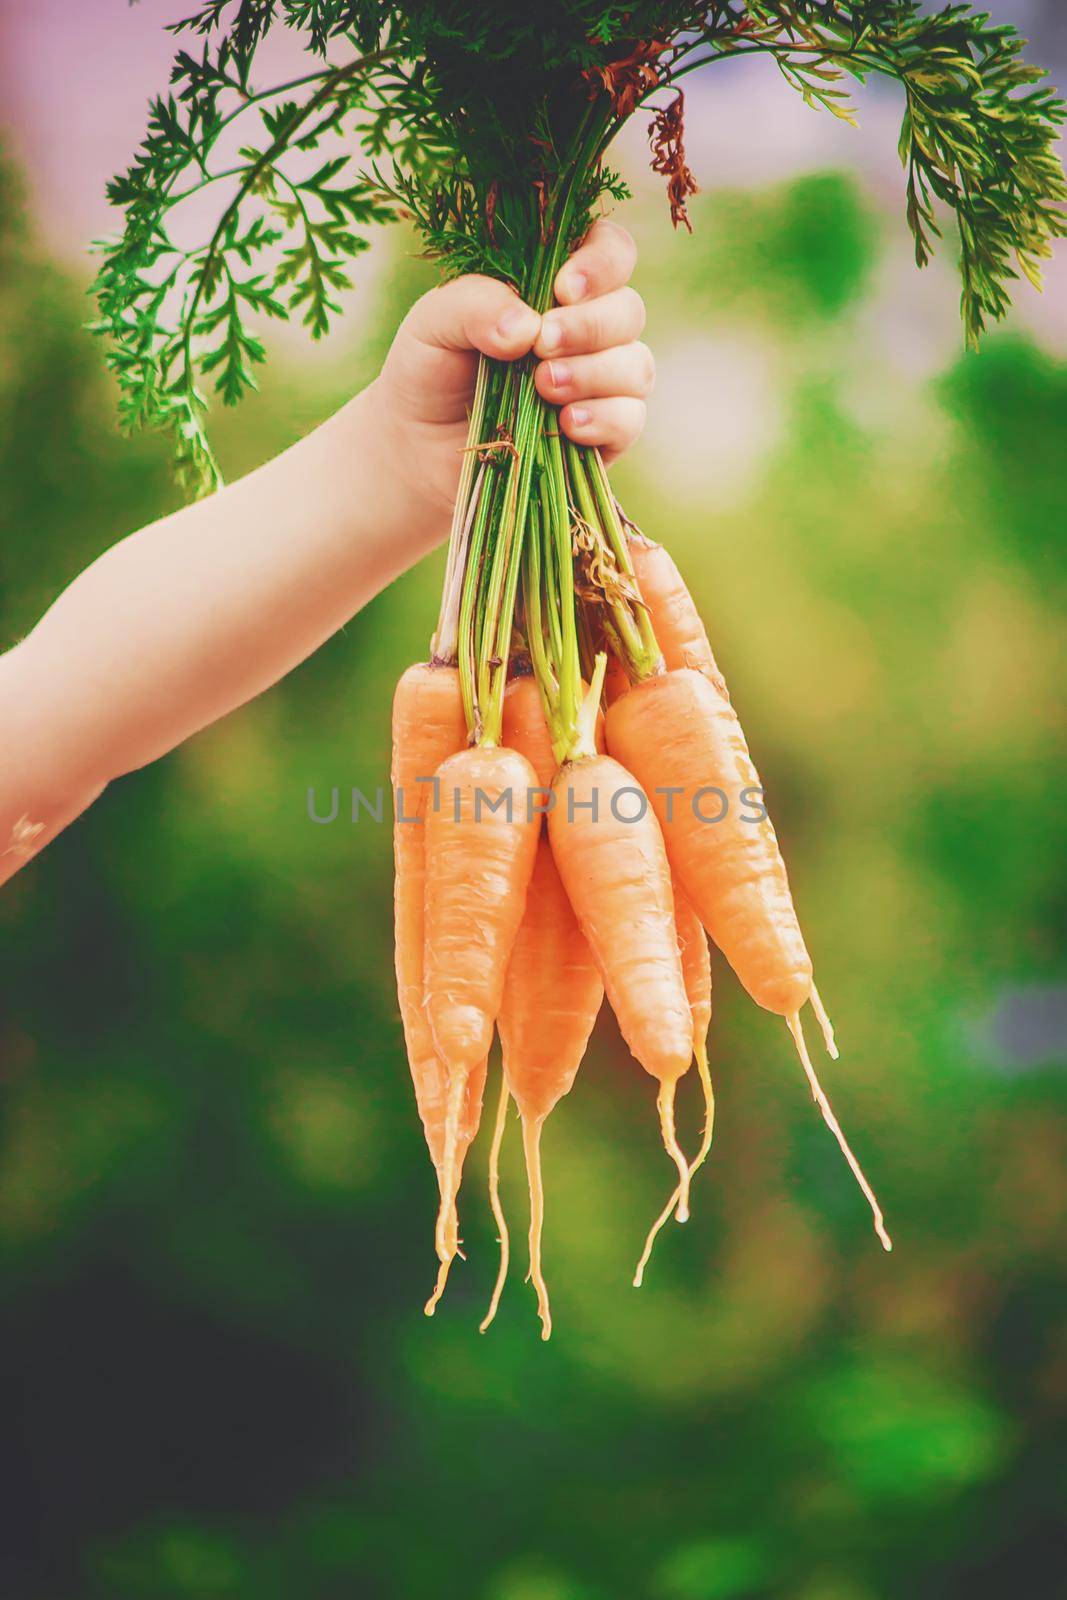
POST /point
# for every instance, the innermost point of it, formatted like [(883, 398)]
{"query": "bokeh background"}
[(216, 1381)]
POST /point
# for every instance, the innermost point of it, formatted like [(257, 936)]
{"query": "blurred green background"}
[(216, 1381)]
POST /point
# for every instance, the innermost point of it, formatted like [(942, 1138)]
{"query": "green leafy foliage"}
[(487, 127)]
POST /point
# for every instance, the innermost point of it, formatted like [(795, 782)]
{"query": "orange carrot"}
[(551, 1000), (696, 970), (680, 735), (680, 633), (525, 728), (616, 875), (676, 622), (696, 967), (428, 726), (616, 681), (480, 845), (553, 990)]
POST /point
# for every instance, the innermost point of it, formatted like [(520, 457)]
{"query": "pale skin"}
[(187, 619)]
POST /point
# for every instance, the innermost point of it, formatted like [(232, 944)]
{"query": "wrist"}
[(381, 462)]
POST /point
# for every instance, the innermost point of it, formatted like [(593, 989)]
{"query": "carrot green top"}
[(487, 126)]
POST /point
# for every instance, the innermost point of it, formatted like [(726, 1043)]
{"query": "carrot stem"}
[(585, 739), (444, 646), (472, 472), (554, 625), (650, 659), (494, 558), (558, 531), (494, 1202), (640, 651), (506, 561), (469, 599), (796, 1029)]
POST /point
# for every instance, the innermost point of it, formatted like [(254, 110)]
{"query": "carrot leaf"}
[(487, 127)]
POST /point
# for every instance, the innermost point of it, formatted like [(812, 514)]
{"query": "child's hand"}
[(592, 365)]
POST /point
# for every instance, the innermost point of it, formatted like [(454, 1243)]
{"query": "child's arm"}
[(192, 616)]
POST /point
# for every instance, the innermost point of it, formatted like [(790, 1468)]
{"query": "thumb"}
[(475, 313)]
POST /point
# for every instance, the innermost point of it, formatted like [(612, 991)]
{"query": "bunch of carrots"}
[(577, 811), (550, 852), (578, 832)]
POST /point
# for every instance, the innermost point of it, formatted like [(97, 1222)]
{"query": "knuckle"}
[(635, 310), (554, 335), (613, 421), (596, 264), (429, 304), (633, 426), (572, 337), (619, 241), (591, 330), (481, 284), (646, 368), (617, 230)]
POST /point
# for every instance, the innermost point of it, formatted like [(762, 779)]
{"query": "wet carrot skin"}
[(676, 622), (616, 876), (616, 681), (679, 732), (678, 626), (428, 727), (553, 989), (551, 1000), (552, 995), (696, 964), (478, 866), (525, 728)]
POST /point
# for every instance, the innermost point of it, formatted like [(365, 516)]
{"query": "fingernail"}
[(551, 333), (559, 373), (581, 416), (574, 283), (510, 323)]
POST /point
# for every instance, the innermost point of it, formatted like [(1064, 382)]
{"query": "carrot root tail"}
[(698, 1161), (497, 1208), (825, 1024), (665, 1106), (834, 1126), (446, 1236), (531, 1143)]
